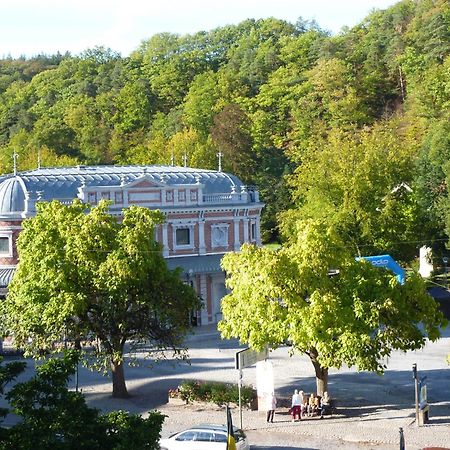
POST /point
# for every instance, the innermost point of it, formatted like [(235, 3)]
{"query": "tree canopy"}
[(266, 93), (357, 316), (84, 274), (56, 418)]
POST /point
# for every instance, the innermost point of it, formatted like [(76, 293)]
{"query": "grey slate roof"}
[(194, 264), (62, 183), (6, 275), (12, 196)]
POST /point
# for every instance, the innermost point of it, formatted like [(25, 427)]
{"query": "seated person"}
[(305, 404), (312, 405), (325, 404)]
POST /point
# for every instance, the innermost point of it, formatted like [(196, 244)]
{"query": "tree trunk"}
[(118, 379), (321, 374)]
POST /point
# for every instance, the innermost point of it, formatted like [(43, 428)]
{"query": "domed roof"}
[(12, 196)]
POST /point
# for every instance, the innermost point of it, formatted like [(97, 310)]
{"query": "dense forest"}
[(351, 129)]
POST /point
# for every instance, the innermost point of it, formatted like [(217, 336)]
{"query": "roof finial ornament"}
[(39, 158), (15, 156), (185, 158), (219, 155), (172, 159)]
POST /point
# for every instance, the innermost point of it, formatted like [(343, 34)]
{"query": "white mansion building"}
[(208, 213)]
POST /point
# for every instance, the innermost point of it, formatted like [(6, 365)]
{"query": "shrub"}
[(215, 392)]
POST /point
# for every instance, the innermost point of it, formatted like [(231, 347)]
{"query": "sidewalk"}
[(367, 430)]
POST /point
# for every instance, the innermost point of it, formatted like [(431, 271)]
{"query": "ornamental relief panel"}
[(219, 235)]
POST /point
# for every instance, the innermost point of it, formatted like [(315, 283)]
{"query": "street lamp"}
[(445, 261)]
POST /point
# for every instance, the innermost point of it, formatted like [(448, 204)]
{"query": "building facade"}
[(208, 213)]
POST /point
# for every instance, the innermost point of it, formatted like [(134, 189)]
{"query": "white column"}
[(165, 239), (203, 294), (237, 241), (258, 231), (201, 237), (246, 229)]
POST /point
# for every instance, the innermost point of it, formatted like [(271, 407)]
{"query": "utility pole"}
[(416, 390), (445, 261)]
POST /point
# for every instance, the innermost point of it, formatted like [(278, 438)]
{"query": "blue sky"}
[(29, 27)]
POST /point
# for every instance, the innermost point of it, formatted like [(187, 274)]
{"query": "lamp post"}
[(445, 261)]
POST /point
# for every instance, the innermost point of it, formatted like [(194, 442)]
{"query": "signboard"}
[(387, 262), (423, 401), (249, 357), (264, 383)]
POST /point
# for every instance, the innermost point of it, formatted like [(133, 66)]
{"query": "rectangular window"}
[(119, 197), (253, 232), (183, 236), (92, 198), (4, 245)]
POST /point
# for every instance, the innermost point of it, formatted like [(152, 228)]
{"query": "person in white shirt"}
[(271, 406), (296, 405)]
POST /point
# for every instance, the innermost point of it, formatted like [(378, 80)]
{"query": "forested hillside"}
[(353, 129)]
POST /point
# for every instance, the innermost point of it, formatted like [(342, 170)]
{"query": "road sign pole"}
[(240, 400)]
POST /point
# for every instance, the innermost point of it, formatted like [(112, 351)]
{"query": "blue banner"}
[(387, 262)]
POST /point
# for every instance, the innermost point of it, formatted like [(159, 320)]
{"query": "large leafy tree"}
[(231, 135), (85, 274), (356, 317), (361, 182), (55, 418)]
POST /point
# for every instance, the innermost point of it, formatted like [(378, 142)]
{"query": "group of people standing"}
[(300, 405)]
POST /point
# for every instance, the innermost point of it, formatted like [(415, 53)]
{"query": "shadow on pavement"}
[(274, 447)]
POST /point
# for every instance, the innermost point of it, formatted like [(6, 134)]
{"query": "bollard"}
[(402, 439)]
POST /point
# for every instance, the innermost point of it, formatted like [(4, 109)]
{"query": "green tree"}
[(354, 180), (200, 101), (54, 418), (231, 135), (85, 274), (357, 317)]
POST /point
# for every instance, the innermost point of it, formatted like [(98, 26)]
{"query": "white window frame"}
[(9, 253), (178, 226)]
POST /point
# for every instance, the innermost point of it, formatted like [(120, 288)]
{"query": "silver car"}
[(204, 437)]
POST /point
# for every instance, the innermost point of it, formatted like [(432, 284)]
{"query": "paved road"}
[(371, 408)]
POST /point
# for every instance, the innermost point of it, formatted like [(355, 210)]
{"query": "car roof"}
[(211, 427)]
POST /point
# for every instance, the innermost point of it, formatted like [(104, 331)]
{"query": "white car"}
[(204, 437)]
